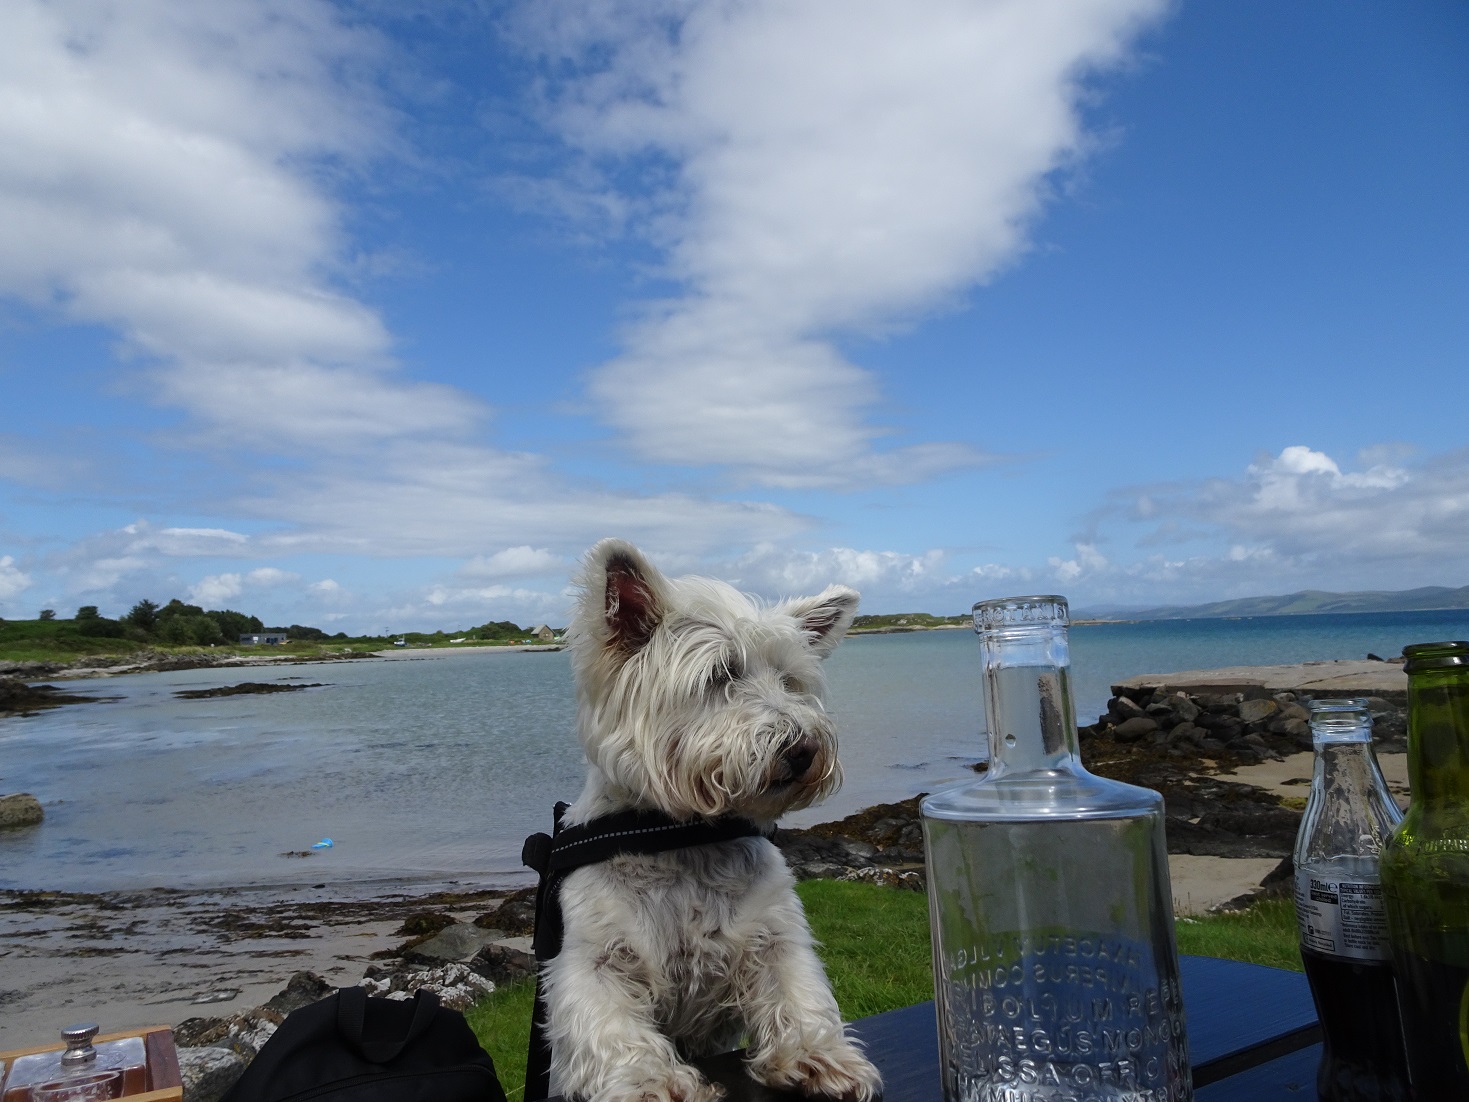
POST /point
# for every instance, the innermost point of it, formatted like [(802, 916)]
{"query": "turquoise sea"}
[(432, 770)]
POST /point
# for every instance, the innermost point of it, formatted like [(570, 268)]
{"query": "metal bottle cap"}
[(79, 1048)]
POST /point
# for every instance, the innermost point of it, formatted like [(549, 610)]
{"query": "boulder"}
[(424, 922), (20, 810), (1296, 729), (1186, 733), (303, 989), (457, 985), (516, 915), (1257, 711), (458, 942), (503, 963), (1121, 709), (1184, 710), (1135, 728), (209, 1072), (1221, 726)]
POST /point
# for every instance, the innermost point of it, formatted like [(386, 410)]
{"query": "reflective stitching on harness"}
[(616, 834)]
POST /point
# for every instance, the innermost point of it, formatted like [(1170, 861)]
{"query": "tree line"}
[(179, 624)]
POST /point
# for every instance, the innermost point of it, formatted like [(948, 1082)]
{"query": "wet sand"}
[(128, 960)]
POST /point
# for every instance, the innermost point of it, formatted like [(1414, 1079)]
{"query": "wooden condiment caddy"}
[(156, 1081)]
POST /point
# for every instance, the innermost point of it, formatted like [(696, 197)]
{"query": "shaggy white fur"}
[(697, 701)]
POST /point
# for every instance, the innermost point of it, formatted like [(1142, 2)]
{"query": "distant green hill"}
[(1310, 601)]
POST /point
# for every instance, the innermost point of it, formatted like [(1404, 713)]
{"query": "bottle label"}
[(1345, 918)]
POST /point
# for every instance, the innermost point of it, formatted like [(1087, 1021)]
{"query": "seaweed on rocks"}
[(17, 698), (242, 689)]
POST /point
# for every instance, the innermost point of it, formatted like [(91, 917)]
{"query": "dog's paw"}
[(838, 1071), (680, 1084)]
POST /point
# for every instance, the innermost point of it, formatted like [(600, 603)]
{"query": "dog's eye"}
[(723, 674), (792, 684)]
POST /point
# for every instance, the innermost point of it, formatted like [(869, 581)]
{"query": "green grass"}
[(874, 943), (501, 1021), (1264, 934)]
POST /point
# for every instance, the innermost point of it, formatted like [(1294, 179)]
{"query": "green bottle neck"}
[(1438, 736)]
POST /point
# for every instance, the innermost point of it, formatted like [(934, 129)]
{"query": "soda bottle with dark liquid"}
[(1425, 874), (1340, 912)]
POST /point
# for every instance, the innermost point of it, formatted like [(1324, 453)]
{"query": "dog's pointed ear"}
[(826, 617), (623, 596)]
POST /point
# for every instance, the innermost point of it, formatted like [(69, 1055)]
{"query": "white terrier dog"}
[(697, 702)]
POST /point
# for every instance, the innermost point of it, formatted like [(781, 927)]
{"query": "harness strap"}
[(566, 849)]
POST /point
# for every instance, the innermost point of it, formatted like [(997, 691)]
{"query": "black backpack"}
[(353, 1047)]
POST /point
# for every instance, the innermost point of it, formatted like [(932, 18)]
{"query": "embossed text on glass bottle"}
[(1055, 967)]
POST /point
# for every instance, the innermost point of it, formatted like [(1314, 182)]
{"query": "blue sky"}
[(376, 315)]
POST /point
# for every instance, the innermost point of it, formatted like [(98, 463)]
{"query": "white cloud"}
[(1300, 503), (216, 589), (158, 175), (836, 166), (456, 500), (219, 588), (773, 571), (1290, 521), (13, 580), (522, 561), (1088, 560)]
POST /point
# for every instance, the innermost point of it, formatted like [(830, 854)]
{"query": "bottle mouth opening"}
[(1341, 719), (1435, 656), (1021, 614)]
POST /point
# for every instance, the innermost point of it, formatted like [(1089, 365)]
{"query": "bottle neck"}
[(1438, 736), (1346, 767), (1028, 704)]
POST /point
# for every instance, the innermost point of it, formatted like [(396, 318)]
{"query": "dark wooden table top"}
[(1252, 1034)]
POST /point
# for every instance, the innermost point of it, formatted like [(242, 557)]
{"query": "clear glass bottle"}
[(1340, 913), (1425, 874), (79, 1060), (1055, 965)]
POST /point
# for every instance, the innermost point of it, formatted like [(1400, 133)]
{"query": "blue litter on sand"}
[(325, 843)]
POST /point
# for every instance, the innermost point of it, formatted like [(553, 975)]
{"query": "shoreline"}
[(134, 958), (131, 959), (102, 665)]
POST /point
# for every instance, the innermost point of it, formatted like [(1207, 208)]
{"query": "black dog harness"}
[(555, 855)]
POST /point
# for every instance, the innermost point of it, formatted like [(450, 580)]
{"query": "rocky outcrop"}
[(20, 810), (887, 836), (209, 1072), (19, 698), (1242, 726), (1174, 742), (244, 688), (1372, 677), (516, 915)]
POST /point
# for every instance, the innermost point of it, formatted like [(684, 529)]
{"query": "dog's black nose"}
[(799, 757)]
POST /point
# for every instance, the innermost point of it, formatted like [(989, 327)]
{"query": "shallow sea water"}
[(434, 769)]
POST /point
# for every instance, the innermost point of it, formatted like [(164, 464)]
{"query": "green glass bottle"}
[(1425, 874)]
